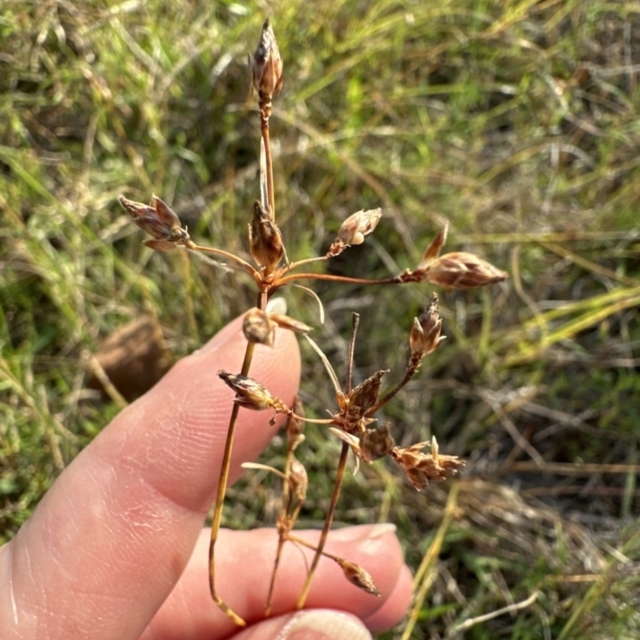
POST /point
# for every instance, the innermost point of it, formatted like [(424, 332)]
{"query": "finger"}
[(244, 572), (315, 624), (110, 539)]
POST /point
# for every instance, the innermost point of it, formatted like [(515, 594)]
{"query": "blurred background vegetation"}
[(517, 121)]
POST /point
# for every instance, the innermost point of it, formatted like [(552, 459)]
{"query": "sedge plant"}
[(353, 421)]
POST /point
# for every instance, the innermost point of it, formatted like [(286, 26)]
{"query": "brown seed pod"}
[(375, 443), (354, 229), (258, 328), (355, 574), (461, 270), (159, 221), (265, 239), (250, 394), (422, 468), (425, 332), (266, 65)]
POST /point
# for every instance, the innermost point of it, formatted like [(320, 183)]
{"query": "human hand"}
[(116, 549)]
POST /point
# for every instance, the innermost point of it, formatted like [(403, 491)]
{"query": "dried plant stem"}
[(342, 465), (299, 263), (282, 530), (310, 545), (222, 489), (264, 126), (327, 277), (192, 246), (407, 376)]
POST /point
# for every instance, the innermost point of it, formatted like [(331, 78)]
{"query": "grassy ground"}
[(516, 121)]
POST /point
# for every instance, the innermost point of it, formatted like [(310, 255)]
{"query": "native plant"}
[(354, 420)]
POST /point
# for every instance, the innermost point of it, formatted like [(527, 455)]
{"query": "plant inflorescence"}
[(354, 421)]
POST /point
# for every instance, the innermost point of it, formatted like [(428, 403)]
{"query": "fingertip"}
[(316, 624)]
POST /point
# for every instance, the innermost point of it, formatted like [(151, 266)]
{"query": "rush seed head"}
[(355, 574), (266, 65), (461, 270), (158, 220), (425, 332), (250, 394), (265, 239), (354, 229), (258, 328), (422, 468)]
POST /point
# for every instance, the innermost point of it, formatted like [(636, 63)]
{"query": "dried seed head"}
[(266, 65), (250, 394), (159, 221), (362, 398), (433, 250), (299, 480), (265, 239), (422, 468), (375, 443), (355, 574), (286, 322), (425, 332), (258, 328), (354, 229), (461, 270)]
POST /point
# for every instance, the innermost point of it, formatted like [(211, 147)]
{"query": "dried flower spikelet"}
[(422, 468), (299, 480), (159, 221), (461, 270), (354, 229), (425, 332), (355, 574), (266, 65), (295, 425), (375, 443), (265, 239), (361, 398), (433, 250), (286, 322), (250, 394), (258, 328)]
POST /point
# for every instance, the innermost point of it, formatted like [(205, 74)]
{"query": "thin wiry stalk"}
[(342, 465), (407, 376), (333, 278), (337, 485), (264, 126), (222, 489), (192, 246)]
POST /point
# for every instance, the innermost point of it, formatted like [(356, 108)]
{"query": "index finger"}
[(110, 539)]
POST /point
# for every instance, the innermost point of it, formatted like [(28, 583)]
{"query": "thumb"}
[(314, 624)]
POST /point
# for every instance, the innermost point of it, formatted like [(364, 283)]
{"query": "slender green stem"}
[(342, 465)]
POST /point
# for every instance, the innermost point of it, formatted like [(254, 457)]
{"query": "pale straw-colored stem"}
[(342, 464)]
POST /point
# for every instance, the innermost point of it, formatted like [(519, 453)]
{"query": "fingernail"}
[(323, 624), (363, 532)]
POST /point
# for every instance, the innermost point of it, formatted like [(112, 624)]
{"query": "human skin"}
[(116, 548)]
